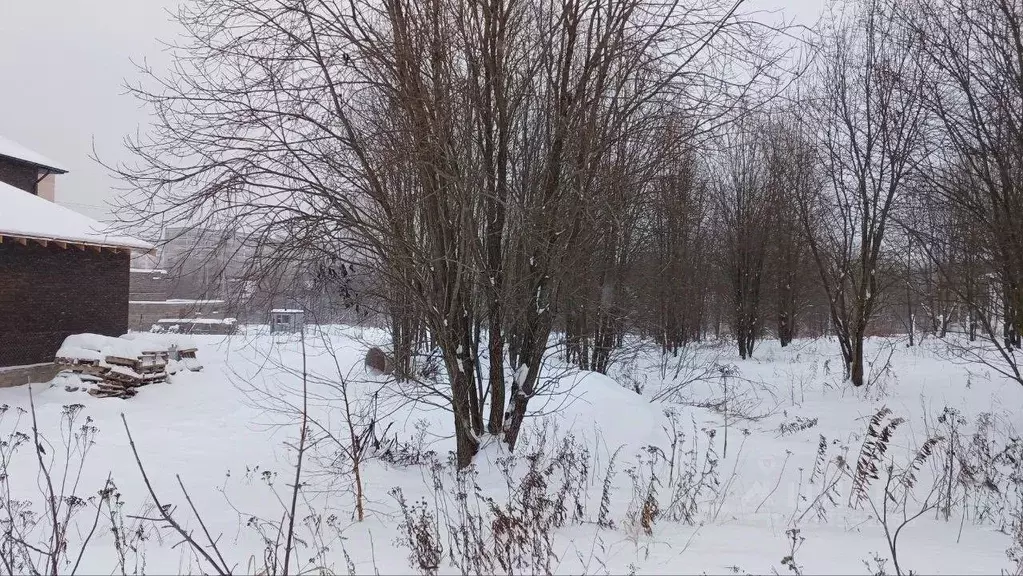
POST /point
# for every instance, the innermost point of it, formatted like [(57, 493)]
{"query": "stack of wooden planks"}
[(114, 367), (116, 376), (180, 348)]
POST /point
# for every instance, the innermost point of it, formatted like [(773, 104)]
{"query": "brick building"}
[(60, 272)]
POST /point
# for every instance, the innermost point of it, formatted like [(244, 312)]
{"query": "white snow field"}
[(229, 434)]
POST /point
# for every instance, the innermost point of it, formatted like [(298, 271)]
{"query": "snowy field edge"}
[(230, 433)]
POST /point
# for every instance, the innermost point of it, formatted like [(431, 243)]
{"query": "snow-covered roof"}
[(27, 216), (148, 271), (285, 311), (12, 149)]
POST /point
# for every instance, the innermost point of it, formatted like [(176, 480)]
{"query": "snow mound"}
[(595, 403)]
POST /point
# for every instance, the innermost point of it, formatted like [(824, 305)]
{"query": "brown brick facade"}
[(48, 293), (19, 174), (150, 285)]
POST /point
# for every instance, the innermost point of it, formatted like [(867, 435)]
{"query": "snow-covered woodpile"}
[(181, 349), (117, 367)]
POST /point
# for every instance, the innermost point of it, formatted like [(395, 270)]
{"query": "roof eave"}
[(50, 169), (99, 246)]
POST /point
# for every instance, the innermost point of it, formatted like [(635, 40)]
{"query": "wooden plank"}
[(121, 361), (95, 370), (110, 387), (75, 362), (115, 376), (112, 394)]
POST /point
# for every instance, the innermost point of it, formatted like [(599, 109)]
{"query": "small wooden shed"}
[(286, 320)]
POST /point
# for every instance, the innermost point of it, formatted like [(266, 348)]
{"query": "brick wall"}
[(18, 174), (143, 314), (48, 293), (150, 285)]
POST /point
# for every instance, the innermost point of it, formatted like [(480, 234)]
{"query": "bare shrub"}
[(872, 454), (795, 542), (798, 424), (604, 512), (1015, 551), (129, 538), (514, 535), (421, 534), (899, 502), (683, 368), (876, 565), (644, 510), (36, 540), (693, 476)]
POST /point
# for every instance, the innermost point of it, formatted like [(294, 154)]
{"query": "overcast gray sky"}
[(63, 64)]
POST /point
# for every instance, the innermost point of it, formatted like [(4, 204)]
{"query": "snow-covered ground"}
[(230, 432)]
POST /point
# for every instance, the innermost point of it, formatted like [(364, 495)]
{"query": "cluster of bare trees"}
[(971, 174), (513, 169), (915, 107), (484, 157)]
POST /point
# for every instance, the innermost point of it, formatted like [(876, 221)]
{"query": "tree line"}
[(517, 175)]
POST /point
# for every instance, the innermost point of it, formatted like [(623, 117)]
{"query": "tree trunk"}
[(496, 346), (465, 402), (522, 390), (467, 440), (856, 361), (784, 329), (909, 294), (532, 343)]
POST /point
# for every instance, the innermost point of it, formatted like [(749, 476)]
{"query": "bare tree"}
[(974, 166), (791, 174), (453, 146), (744, 204), (673, 264), (867, 115)]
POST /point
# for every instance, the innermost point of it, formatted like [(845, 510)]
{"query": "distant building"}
[(149, 283), (286, 320), (61, 273), (204, 262), (144, 314), (27, 170), (191, 276), (222, 326), (225, 272)]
